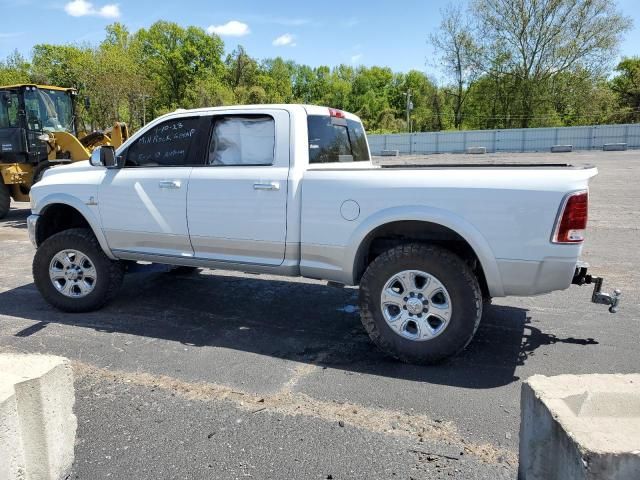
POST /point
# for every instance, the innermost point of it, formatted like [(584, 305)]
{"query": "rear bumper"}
[(526, 278)]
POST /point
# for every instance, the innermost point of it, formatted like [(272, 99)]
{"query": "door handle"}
[(169, 184), (266, 186)]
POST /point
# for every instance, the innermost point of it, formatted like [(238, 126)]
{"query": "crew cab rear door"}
[(237, 201), (143, 205)]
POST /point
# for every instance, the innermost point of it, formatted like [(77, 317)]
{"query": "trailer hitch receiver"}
[(612, 299)]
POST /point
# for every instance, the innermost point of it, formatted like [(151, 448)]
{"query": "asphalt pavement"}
[(229, 375)]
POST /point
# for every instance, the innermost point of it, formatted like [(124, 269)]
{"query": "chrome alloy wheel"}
[(72, 273), (416, 305)]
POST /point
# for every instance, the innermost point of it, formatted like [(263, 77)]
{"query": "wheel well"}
[(56, 218), (396, 233)]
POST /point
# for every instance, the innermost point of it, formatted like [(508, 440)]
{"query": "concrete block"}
[(390, 153), (477, 150), (11, 451), (37, 424), (561, 148), (614, 147), (580, 427)]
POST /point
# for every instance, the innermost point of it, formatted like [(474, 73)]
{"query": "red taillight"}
[(335, 113), (572, 221)]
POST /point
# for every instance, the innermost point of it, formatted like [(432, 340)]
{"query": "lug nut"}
[(412, 294)]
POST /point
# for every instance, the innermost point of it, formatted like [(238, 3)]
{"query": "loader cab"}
[(27, 114)]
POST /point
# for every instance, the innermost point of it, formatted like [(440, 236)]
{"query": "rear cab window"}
[(336, 139)]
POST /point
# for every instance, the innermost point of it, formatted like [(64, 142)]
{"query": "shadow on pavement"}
[(16, 218), (305, 322)]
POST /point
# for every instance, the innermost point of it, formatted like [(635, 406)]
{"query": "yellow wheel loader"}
[(38, 130)]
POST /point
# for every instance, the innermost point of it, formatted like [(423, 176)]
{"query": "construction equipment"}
[(38, 130)]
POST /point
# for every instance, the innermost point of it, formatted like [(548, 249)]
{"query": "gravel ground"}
[(231, 375)]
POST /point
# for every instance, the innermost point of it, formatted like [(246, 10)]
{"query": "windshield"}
[(49, 110), (8, 109)]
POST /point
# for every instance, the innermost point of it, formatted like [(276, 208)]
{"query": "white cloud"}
[(82, 8), (285, 40), (356, 58), (232, 28), (109, 11)]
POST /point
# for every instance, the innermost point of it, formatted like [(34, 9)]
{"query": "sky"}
[(327, 32)]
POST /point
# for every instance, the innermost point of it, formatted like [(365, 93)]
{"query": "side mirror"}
[(104, 156)]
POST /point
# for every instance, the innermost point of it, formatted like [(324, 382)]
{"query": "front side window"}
[(49, 110), (8, 109), (336, 140), (242, 140), (168, 144)]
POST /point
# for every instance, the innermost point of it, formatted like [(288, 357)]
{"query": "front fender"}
[(432, 215), (90, 214)]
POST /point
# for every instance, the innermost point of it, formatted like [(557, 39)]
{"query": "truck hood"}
[(81, 166)]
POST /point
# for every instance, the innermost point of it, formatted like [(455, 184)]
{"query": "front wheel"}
[(73, 273), (420, 303)]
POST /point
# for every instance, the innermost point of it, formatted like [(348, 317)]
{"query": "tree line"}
[(508, 64)]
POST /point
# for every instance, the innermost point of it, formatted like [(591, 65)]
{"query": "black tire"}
[(39, 172), (5, 199), (109, 273), (459, 281)]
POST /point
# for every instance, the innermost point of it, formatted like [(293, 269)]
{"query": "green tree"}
[(174, 57), (540, 39), (626, 86), (14, 69), (459, 55)]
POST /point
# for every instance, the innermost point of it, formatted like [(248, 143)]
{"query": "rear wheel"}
[(420, 303), (5, 199), (73, 273)]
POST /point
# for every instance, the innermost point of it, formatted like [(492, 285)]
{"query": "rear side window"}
[(168, 144), (336, 140), (242, 140)]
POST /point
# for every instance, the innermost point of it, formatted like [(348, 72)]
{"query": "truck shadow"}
[(305, 322)]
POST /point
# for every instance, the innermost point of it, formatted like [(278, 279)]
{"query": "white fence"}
[(512, 140)]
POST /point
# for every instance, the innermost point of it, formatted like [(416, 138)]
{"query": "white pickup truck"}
[(291, 190)]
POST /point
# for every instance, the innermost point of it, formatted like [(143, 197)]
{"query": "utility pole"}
[(144, 108), (409, 107)]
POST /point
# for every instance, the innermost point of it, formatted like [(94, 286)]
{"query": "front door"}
[(237, 201), (143, 205)]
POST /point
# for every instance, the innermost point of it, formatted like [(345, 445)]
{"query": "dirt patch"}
[(291, 403)]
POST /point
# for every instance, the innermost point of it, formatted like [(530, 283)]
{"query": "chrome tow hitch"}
[(581, 277)]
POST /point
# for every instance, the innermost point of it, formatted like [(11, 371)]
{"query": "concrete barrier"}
[(561, 148), (477, 150), (37, 424), (580, 427), (390, 153), (614, 147)]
